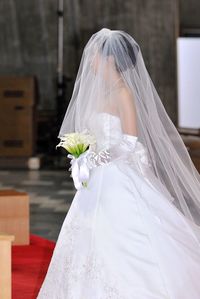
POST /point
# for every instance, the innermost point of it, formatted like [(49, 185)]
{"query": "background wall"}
[(29, 34), (28, 43), (190, 14)]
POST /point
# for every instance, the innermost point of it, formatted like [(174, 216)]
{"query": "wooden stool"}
[(14, 215), (5, 262)]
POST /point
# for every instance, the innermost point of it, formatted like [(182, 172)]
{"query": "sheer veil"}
[(112, 61)]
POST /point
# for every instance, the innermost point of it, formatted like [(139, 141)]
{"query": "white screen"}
[(188, 59)]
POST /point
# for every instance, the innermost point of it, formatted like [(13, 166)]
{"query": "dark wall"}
[(189, 13), (29, 33), (28, 42)]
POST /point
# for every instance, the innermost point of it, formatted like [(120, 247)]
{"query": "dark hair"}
[(116, 51)]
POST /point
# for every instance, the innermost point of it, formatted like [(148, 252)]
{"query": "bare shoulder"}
[(125, 99), (127, 112), (124, 94)]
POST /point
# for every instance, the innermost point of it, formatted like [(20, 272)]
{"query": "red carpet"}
[(29, 266)]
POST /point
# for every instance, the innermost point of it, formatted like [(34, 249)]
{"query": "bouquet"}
[(78, 145)]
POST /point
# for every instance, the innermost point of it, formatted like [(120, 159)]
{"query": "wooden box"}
[(17, 116), (17, 91), (5, 262), (14, 215)]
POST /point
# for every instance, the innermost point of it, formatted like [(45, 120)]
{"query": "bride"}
[(133, 231)]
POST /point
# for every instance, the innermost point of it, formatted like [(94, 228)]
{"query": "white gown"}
[(123, 239)]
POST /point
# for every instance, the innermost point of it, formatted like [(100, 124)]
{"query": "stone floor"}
[(51, 193)]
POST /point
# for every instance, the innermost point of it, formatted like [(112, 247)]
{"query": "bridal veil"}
[(113, 59)]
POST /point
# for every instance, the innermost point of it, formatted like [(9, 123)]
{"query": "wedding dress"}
[(122, 237)]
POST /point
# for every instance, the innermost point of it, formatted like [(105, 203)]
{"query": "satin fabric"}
[(123, 239)]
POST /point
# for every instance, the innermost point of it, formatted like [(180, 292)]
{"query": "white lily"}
[(77, 144)]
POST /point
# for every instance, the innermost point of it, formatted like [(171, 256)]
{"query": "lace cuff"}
[(127, 144), (94, 159), (128, 149)]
